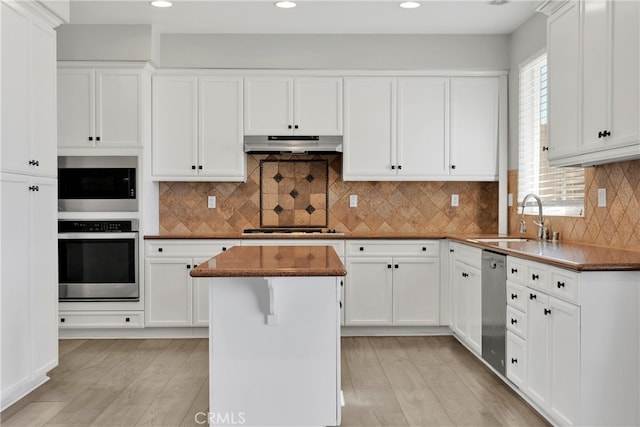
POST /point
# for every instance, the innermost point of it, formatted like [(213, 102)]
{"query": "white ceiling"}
[(310, 16)]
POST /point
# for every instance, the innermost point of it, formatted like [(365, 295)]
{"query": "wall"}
[(308, 51), (529, 40), (104, 42), (617, 225), (382, 206)]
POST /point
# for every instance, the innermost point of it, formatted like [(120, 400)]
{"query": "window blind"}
[(560, 189)]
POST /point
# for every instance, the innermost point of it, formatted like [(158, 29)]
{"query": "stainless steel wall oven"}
[(98, 260)]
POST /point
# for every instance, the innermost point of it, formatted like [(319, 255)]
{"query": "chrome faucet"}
[(540, 223)]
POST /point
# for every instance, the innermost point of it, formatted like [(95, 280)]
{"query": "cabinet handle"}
[(34, 162), (393, 167), (399, 167), (604, 133), (534, 277), (451, 251), (361, 248), (424, 249), (296, 126), (62, 320), (341, 283), (514, 360), (193, 167), (188, 266), (159, 249), (126, 319), (514, 270), (388, 265), (547, 312), (200, 167), (34, 188), (533, 296), (224, 248), (453, 166), (465, 275), (289, 126), (97, 138), (544, 148), (340, 304), (514, 296), (560, 284), (396, 266), (90, 138), (514, 321)]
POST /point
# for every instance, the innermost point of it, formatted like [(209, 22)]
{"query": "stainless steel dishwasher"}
[(494, 309)]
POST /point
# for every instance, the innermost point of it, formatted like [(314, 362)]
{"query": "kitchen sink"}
[(499, 240)]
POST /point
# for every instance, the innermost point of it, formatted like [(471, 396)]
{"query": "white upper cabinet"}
[(28, 94), (421, 128), (197, 128), (473, 127), (101, 108), (293, 106), (607, 33)]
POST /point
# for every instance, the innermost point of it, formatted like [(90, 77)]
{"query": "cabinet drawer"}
[(160, 248), (394, 248), (516, 359), (517, 322), (516, 270), (338, 245), (468, 255), (105, 319), (565, 284), (517, 296), (538, 276)]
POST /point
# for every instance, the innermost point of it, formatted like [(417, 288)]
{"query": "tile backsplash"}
[(384, 206), (616, 225)]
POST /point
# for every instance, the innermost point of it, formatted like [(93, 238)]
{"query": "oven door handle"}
[(99, 235)]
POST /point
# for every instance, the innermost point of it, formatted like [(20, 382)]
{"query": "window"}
[(560, 189)]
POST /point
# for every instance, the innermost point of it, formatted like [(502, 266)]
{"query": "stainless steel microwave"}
[(97, 184)]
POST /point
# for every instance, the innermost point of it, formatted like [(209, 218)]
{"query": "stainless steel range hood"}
[(292, 144)]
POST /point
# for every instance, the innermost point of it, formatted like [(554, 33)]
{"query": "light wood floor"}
[(387, 381)]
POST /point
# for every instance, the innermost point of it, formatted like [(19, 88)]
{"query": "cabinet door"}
[(625, 67), (220, 142), (473, 133), (317, 106), (76, 108), (416, 296), (595, 73), (563, 65), (369, 292), (168, 292), (44, 146), (369, 128), (15, 90), (118, 108), (564, 342), (422, 119), (516, 359), (474, 309), (175, 106), (200, 297), (459, 301), (268, 106), (15, 332), (43, 283), (537, 386)]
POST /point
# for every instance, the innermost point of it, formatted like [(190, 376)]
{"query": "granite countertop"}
[(570, 255), (272, 261)]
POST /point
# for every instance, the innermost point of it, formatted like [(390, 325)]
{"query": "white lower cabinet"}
[(392, 283), (172, 297), (466, 302), (574, 349)]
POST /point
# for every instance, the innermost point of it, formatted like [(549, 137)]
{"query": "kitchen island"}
[(274, 335)]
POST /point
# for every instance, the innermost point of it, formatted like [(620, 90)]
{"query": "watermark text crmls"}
[(220, 418)]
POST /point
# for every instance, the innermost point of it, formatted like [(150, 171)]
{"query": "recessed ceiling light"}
[(498, 2), (285, 4), (409, 4), (161, 3)]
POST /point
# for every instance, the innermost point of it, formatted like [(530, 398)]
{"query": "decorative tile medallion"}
[(294, 193)]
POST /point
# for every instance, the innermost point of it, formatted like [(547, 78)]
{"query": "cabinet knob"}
[(451, 251), (289, 126), (424, 249), (560, 284), (159, 249), (533, 296), (514, 360), (127, 319), (62, 320), (399, 167), (296, 126), (547, 312), (188, 266), (90, 138), (534, 277), (514, 270), (514, 296), (453, 166), (514, 321), (193, 167), (361, 248), (224, 248), (393, 167), (388, 265), (200, 167), (396, 266)]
